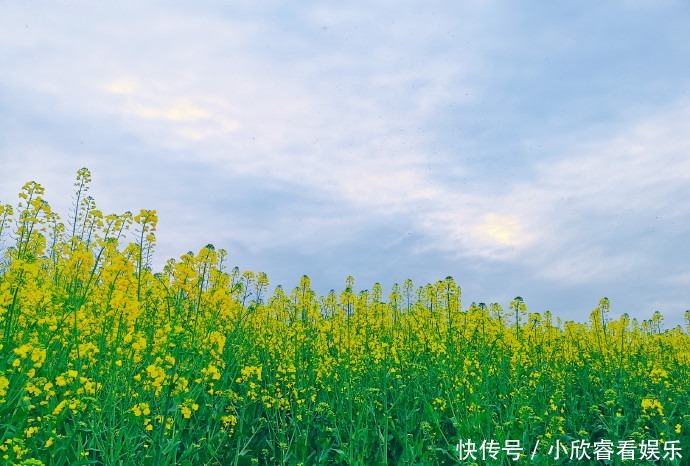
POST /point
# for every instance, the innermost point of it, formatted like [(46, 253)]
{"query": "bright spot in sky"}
[(504, 230)]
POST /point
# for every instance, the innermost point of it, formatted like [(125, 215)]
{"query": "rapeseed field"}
[(104, 360)]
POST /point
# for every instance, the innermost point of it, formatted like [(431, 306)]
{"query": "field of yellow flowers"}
[(105, 361)]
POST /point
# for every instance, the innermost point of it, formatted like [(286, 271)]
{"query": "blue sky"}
[(542, 152)]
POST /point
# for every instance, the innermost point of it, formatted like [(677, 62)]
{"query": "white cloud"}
[(584, 203), (340, 102), (506, 231), (123, 86)]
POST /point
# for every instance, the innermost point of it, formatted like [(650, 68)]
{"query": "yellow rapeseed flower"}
[(187, 407), (23, 351), (4, 386), (652, 406), (141, 408)]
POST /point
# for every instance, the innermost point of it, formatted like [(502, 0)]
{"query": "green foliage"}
[(103, 361)]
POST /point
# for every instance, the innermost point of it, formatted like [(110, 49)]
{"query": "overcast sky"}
[(542, 152)]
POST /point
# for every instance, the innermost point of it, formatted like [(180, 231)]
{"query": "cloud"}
[(441, 131), (124, 86), (599, 194), (180, 112), (506, 231)]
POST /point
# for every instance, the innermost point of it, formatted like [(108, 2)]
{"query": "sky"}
[(534, 150)]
